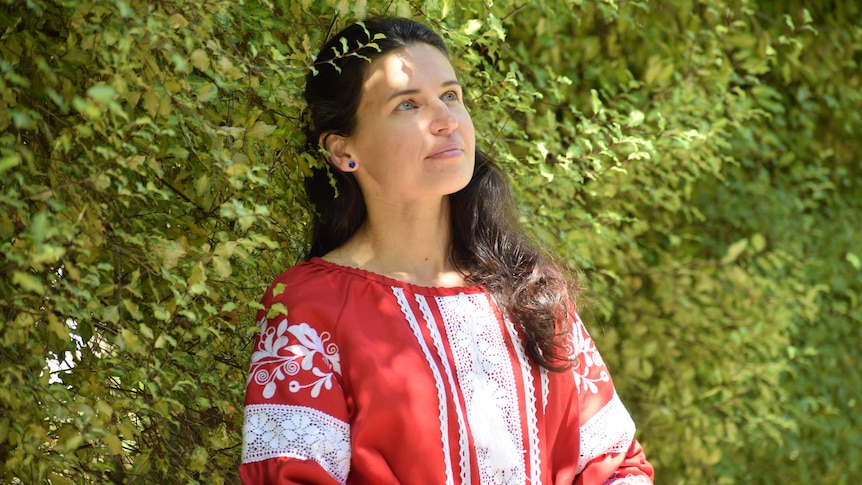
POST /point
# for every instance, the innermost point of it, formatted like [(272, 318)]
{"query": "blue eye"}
[(406, 105), (450, 96)]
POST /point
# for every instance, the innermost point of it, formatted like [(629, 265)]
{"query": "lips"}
[(447, 150)]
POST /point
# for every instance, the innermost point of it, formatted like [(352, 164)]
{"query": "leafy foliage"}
[(697, 161)]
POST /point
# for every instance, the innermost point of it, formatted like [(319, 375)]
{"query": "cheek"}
[(467, 128), (465, 120)]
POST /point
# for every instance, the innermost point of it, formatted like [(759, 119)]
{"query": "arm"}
[(296, 426), (609, 453)]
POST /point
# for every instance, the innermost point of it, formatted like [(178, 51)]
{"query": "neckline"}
[(390, 281)]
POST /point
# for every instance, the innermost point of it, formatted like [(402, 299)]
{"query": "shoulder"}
[(313, 287), (310, 274)]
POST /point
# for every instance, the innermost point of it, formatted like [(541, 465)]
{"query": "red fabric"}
[(371, 380)]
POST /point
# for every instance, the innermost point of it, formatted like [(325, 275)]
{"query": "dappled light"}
[(696, 161)]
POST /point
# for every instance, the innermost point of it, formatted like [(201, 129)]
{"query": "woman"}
[(425, 341)]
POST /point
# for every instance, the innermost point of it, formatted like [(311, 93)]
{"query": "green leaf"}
[(9, 161), (636, 117), (115, 445), (276, 310), (222, 267), (734, 251), (39, 227), (198, 275), (102, 92), (854, 261), (260, 130), (28, 282)]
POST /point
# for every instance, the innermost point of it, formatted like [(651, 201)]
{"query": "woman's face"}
[(414, 138)]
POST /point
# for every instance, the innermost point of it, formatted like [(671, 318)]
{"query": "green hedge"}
[(698, 161)]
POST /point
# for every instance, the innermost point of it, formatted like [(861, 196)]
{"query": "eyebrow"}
[(406, 92)]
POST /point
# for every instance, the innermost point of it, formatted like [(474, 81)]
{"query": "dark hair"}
[(487, 244)]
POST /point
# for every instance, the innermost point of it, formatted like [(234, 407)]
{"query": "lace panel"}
[(611, 430), (546, 387), (532, 415), (629, 480), (282, 430), (486, 378), (463, 440), (438, 380)]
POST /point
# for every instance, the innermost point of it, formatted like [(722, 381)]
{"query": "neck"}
[(410, 244)]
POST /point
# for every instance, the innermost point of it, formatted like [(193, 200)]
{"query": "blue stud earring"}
[(352, 164)]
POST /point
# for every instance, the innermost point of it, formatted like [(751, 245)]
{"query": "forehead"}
[(410, 67)]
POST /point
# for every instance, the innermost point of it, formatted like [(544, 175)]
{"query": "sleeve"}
[(296, 421), (609, 453)]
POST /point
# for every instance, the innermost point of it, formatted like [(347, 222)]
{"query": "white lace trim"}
[(546, 387), (282, 430), (629, 480), (487, 380), (438, 379), (463, 439), (611, 430), (530, 395)]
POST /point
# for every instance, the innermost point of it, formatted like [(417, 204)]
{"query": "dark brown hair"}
[(488, 245)]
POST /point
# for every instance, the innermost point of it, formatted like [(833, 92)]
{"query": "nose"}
[(444, 120)]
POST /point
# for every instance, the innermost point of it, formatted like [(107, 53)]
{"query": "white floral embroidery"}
[(588, 358), (611, 430), (629, 480), (437, 339), (269, 364), (281, 430), (487, 380), (532, 414)]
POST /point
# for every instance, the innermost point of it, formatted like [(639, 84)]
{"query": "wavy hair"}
[(488, 245)]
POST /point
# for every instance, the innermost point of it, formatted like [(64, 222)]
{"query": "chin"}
[(454, 179), (462, 183)]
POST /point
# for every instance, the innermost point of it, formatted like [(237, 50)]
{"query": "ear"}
[(336, 145)]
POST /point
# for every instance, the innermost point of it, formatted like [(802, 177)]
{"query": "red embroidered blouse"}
[(368, 379)]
